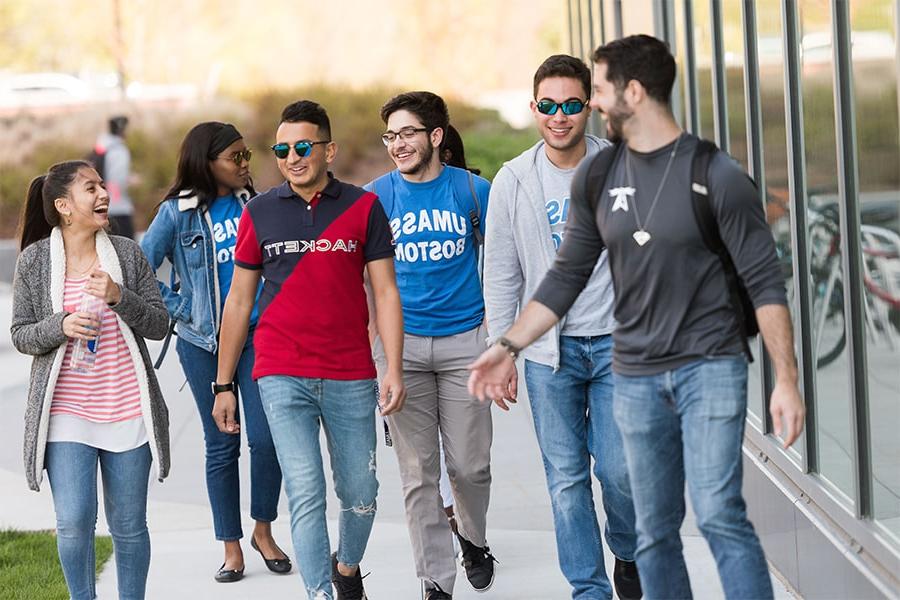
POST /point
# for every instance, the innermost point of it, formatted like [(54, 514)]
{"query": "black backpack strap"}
[(475, 213), (165, 346), (175, 285), (712, 239), (591, 175)]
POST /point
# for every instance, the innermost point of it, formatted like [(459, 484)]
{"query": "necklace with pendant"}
[(641, 235)]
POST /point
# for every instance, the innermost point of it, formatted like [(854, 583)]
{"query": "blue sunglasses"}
[(302, 148), (569, 107)]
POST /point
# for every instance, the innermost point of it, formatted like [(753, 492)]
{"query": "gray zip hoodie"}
[(519, 250)]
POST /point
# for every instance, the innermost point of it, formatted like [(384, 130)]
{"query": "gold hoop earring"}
[(67, 220)]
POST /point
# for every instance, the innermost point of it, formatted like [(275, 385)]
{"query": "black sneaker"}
[(348, 587), (478, 563), (627, 580), (436, 593)]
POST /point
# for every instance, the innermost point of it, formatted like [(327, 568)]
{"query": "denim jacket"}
[(182, 233)]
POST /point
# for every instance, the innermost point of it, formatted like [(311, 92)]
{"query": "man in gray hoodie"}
[(567, 371)]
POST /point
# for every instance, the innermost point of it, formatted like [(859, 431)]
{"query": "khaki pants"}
[(435, 374)]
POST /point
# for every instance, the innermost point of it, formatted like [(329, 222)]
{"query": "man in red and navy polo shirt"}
[(311, 240)]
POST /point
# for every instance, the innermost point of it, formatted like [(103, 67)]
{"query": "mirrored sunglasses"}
[(569, 107), (302, 148)]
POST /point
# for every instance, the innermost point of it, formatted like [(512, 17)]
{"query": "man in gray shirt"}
[(680, 392), (568, 370)]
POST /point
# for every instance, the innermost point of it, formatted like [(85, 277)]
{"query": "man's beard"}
[(425, 155), (615, 120)]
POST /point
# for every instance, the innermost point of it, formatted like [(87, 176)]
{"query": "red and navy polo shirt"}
[(313, 316)]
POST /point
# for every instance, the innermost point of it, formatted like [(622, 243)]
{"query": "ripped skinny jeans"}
[(294, 407)]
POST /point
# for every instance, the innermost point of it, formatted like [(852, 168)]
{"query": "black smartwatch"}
[(218, 388), (510, 348)]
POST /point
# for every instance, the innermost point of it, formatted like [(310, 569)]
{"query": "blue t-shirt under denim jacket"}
[(225, 214), (183, 232), (435, 255)]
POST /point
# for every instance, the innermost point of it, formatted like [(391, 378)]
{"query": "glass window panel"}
[(609, 15), (771, 90), (733, 29), (703, 51), (733, 36), (637, 17), (828, 331), (680, 89), (874, 40)]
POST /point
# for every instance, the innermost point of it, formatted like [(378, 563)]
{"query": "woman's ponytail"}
[(39, 215), (33, 225)]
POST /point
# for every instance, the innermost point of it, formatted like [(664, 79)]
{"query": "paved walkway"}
[(185, 554)]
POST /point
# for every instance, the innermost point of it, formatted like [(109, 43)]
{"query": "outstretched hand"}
[(494, 377)]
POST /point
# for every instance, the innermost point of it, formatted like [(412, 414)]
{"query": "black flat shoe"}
[(281, 566), (224, 575)]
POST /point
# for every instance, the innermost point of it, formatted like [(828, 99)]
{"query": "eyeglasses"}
[(569, 107), (239, 157), (302, 148), (405, 134)]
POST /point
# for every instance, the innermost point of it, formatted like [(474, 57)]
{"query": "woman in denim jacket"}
[(195, 228)]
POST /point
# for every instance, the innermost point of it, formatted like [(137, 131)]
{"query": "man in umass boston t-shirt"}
[(433, 216), (680, 376), (312, 238)]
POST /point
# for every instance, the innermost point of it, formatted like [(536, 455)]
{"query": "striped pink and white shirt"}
[(109, 392)]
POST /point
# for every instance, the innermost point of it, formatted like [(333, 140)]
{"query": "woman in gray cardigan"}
[(111, 414)]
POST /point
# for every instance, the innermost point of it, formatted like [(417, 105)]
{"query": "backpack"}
[(463, 186), (97, 157), (706, 222)]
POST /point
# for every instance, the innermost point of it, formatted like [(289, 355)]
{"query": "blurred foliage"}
[(154, 138)]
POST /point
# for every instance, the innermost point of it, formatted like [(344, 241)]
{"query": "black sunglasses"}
[(239, 157), (569, 107), (302, 148)]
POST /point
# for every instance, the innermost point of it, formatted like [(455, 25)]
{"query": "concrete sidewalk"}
[(186, 555)]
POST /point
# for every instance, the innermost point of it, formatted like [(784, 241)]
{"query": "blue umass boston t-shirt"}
[(225, 214), (435, 257)]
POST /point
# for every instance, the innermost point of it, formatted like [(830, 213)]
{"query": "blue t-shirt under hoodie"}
[(435, 256)]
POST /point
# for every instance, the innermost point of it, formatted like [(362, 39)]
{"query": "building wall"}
[(803, 93)]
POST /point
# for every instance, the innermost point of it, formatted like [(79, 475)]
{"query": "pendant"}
[(641, 237)]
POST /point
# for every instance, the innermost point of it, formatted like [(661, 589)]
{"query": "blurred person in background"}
[(195, 229), (112, 159), (113, 413), (453, 152)]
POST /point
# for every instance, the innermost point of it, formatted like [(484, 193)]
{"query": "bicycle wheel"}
[(831, 330)]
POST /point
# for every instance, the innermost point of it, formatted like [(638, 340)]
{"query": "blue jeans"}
[(224, 449), (573, 419), (346, 409), (688, 424), (72, 471)]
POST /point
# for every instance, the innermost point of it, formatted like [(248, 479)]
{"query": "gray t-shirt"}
[(588, 315), (672, 303)]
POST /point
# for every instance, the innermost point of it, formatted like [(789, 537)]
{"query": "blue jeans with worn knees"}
[(295, 406), (573, 420), (72, 471), (224, 449), (687, 424)]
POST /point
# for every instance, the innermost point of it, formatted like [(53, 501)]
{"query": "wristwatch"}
[(510, 348), (218, 388)]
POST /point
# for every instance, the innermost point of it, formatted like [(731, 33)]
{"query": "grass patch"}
[(29, 565)]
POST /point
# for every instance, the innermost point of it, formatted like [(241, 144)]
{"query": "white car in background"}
[(32, 90)]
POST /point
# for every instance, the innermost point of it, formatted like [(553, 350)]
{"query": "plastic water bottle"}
[(84, 352)]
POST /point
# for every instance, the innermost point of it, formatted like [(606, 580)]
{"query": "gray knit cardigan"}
[(36, 329)]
